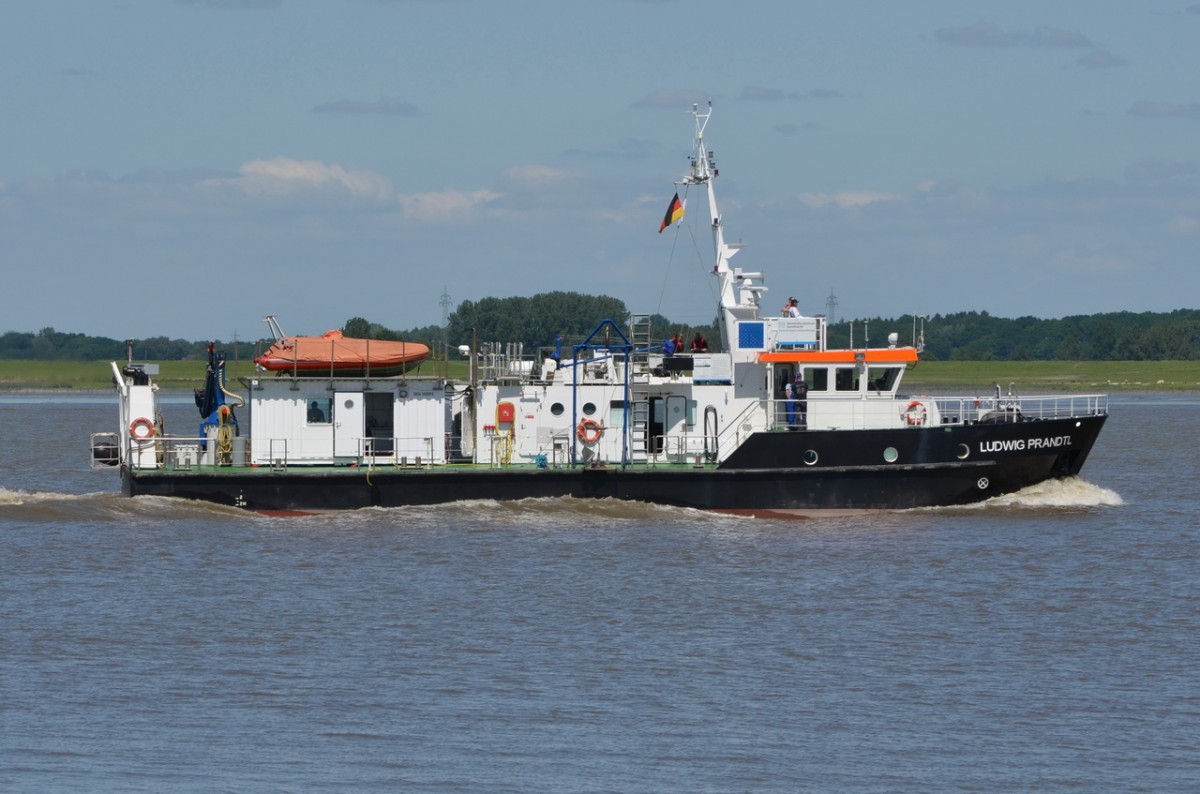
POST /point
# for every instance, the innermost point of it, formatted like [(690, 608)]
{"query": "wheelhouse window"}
[(846, 379), (817, 378), (882, 379)]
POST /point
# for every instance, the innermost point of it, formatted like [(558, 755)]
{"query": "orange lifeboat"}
[(333, 355)]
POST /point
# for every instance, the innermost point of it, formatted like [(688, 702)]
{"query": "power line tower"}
[(831, 304), (445, 304)]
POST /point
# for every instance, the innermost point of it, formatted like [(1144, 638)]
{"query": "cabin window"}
[(616, 413), (319, 409), (817, 378), (557, 409), (589, 408), (882, 378), (846, 379)]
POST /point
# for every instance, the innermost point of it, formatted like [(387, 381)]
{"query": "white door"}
[(676, 420), (349, 423), (676, 424)]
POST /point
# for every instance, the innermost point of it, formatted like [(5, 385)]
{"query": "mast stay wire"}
[(671, 258)]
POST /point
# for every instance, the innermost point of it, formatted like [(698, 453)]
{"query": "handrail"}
[(119, 380), (1013, 408), (731, 431)]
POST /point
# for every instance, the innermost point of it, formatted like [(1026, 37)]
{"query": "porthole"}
[(891, 455), (810, 457), (349, 404), (557, 409), (589, 408), (963, 452)]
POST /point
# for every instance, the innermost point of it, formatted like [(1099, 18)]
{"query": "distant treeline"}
[(536, 322), (978, 336)]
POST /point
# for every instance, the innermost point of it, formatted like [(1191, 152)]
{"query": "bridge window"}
[(817, 378), (882, 378)]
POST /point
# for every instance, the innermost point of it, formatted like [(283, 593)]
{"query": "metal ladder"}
[(639, 384)]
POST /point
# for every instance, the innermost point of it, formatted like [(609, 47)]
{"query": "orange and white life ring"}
[(589, 431), (915, 414), (141, 428)]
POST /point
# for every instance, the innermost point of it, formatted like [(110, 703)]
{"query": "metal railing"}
[(196, 453), (695, 448), (1013, 408)]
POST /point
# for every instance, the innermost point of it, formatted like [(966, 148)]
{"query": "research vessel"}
[(774, 422)]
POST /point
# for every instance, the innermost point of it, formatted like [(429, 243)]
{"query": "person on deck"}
[(800, 389), (315, 414), (791, 308), (699, 343)]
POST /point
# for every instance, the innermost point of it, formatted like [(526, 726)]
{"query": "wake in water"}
[(1071, 493), (102, 506), (19, 497), (482, 513), (550, 512)]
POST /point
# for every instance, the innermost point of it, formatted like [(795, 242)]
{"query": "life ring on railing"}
[(141, 428), (915, 414), (589, 431)]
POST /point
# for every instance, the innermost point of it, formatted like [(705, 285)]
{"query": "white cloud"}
[(237, 4), (1184, 225), (847, 199), (987, 34), (671, 98), (1149, 109), (283, 175), (445, 205), (1075, 263), (538, 176), (385, 106)]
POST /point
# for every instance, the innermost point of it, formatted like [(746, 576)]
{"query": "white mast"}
[(740, 291)]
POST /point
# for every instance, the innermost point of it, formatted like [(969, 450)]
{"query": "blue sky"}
[(184, 167)]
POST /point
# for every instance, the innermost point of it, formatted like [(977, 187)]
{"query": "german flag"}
[(674, 213)]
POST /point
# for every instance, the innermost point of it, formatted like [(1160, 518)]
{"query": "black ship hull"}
[(777, 473)]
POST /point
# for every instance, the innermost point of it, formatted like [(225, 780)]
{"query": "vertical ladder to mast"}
[(639, 384)]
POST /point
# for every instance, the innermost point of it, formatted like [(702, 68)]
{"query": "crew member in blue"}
[(801, 392)]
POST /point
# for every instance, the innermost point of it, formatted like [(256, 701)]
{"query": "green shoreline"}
[(1028, 377)]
